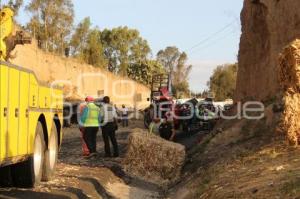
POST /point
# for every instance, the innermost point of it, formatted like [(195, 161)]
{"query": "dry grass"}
[(289, 78), (291, 187), (154, 159)]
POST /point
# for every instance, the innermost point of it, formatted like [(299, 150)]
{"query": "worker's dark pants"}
[(90, 136), (108, 132), (125, 120)]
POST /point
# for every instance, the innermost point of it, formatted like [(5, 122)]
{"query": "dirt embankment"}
[(80, 79), (267, 27), (246, 158)]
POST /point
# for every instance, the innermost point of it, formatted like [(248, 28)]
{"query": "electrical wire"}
[(212, 43), (211, 36)]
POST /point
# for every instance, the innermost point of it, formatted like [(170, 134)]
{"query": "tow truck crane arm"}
[(8, 41)]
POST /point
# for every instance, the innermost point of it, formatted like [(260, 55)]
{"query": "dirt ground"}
[(248, 160), (99, 177), (243, 160)]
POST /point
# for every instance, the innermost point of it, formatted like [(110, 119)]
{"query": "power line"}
[(213, 42), (211, 36)]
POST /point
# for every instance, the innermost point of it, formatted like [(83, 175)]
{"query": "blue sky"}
[(208, 30)]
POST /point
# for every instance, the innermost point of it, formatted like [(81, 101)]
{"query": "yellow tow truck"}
[(30, 117)]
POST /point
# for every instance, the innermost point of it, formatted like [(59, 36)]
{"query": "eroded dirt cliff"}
[(267, 27), (80, 79)]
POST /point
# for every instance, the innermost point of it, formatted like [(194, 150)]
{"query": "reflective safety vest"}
[(91, 116), (154, 128)]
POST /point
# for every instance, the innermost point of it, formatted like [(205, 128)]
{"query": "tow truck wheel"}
[(51, 156), (5, 177), (29, 173)]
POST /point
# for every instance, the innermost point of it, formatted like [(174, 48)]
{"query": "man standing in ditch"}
[(166, 129), (109, 126)]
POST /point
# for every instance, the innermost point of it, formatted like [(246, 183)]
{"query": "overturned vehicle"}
[(186, 117)]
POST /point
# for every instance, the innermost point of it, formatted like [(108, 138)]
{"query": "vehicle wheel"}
[(51, 155), (29, 173)]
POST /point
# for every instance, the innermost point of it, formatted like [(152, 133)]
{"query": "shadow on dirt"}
[(69, 192), (98, 187)]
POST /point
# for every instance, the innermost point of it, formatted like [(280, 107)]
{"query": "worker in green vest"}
[(90, 120), (154, 126)]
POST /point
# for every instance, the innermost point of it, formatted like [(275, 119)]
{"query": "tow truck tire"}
[(5, 177), (29, 173), (51, 155)]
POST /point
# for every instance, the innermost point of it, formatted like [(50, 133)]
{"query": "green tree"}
[(124, 47), (143, 72), (51, 23), (93, 50), (16, 5), (180, 76), (175, 63), (80, 37), (169, 58), (222, 83)]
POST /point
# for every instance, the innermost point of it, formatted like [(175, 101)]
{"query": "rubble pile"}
[(289, 79), (154, 159)]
